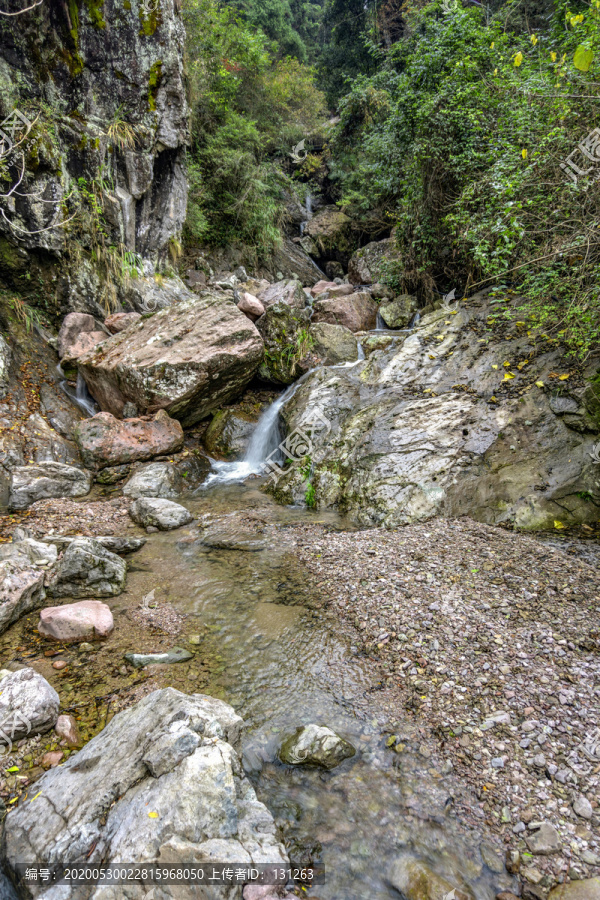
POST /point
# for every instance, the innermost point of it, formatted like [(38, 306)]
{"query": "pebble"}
[(60, 664), (583, 808)]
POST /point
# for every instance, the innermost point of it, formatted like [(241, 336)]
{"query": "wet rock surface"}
[(154, 480), (315, 745), (282, 328), (334, 343)]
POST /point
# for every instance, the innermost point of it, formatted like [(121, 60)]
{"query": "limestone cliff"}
[(102, 85)]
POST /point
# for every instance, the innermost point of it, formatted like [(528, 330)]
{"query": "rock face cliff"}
[(101, 87)]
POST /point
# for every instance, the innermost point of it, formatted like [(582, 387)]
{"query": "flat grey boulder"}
[(544, 841), (288, 291), (161, 783), (155, 480), (46, 480), (21, 587), (28, 706), (315, 745), (415, 880), (187, 359), (87, 569), (163, 514)]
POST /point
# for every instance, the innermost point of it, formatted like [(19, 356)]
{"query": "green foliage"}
[(457, 140), (248, 110)]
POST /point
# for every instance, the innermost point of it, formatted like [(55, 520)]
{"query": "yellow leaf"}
[(583, 58), (520, 323), (562, 377), (558, 524), (518, 59), (539, 384), (506, 364), (493, 400), (508, 376), (492, 45), (524, 153), (431, 356), (36, 796), (495, 71), (534, 39), (153, 815), (553, 56), (494, 366)]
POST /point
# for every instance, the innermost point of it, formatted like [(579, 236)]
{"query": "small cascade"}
[(308, 209), (80, 396), (414, 321), (361, 352), (265, 439), (380, 324)]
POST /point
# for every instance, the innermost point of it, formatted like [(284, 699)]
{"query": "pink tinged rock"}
[(358, 312), (88, 620), (52, 759), (66, 728), (104, 440), (251, 306), (83, 344), (120, 321), (260, 892), (321, 286), (73, 326)]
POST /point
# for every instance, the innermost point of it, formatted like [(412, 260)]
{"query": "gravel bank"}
[(492, 640)]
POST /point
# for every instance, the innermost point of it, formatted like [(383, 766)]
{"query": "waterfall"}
[(81, 396), (266, 437), (308, 209), (361, 352), (415, 320), (380, 324)]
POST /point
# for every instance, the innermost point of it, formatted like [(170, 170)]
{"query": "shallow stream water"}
[(281, 664)]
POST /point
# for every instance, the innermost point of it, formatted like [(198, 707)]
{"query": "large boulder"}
[(290, 292), (399, 312), (161, 783), (21, 587), (188, 359), (365, 265), (28, 706), (88, 620), (59, 410), (438, 423), (87, 569), (157, 513), (156, 480), (357, 312), (107, 441), (49, 479), (587, 889), (284, 331), (291, 260), (333, 343), (315, 745)]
